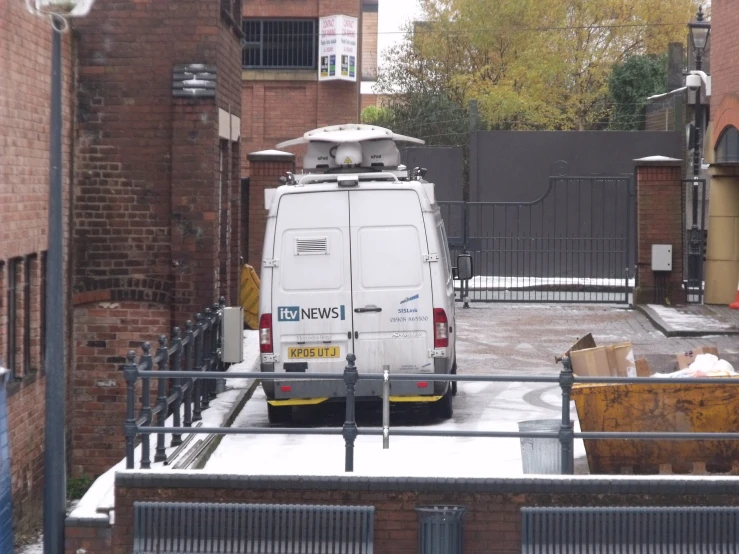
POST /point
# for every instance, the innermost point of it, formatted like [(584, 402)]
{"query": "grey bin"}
[(543, 456), (440, 529)]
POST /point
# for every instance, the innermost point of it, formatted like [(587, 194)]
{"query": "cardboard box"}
[(684, 359), (642, 368), (590, 360)]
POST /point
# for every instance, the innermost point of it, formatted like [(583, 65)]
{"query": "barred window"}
[(280, 43)]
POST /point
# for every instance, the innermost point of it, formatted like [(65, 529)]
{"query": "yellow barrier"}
[(249, 296)]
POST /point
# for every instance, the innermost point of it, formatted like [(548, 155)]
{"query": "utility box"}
[(661, 257), (233, 335)]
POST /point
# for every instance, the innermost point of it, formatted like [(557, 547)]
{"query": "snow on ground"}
[(99, 499), (483, 282), (35, 548), (682, 321), (323, 455)]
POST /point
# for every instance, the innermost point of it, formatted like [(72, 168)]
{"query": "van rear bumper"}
[(319, 388), (315, 388)]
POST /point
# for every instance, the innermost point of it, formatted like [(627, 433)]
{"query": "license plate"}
[(303, 352)]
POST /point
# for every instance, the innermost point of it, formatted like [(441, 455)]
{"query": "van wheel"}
[(442, 408), (454, 383), (279, 414)]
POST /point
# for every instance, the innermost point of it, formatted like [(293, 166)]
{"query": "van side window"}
[(389, 256)]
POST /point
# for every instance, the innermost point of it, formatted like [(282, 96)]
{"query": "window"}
[(12, 313), (42, 313), (727, 148), (280, 43), (27, 314)]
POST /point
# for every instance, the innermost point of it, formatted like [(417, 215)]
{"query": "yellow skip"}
[(297, 401), (414, 398)]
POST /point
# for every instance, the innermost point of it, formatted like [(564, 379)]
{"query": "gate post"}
[(659, 220)]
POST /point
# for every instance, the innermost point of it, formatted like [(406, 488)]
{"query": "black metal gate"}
[(574, 244), (694, 238)]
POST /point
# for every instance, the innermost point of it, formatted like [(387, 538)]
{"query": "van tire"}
[(279, 414), (443, 408), (454, 383)]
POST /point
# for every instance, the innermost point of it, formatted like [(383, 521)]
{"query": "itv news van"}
[(356, 260)]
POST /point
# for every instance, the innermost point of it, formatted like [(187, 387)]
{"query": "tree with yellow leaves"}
[(530, 64)]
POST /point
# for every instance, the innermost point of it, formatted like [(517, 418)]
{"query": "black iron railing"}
[(199, 353), (566, 434)]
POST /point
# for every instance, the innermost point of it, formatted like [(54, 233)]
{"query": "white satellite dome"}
[(348, 154)]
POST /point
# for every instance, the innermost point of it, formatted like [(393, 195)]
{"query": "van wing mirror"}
[(464, 267)]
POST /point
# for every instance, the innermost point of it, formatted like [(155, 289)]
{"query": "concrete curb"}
[(670, 332)]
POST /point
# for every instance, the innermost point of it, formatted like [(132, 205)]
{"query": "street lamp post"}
[(699, 32), (55, 467)]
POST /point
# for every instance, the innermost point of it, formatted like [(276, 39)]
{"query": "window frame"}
[(260, 44), (12, 319)]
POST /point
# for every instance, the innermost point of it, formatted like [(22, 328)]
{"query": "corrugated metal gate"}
[(574, 244)]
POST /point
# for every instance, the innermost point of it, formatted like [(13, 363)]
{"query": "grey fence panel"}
[(194, 528), (622, 530), (445, 165)]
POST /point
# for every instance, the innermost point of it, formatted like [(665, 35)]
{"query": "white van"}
[(356, 260)]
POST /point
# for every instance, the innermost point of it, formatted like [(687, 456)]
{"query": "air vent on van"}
[(311, 246)]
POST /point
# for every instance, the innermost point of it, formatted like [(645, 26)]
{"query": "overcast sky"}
[(393, 14)]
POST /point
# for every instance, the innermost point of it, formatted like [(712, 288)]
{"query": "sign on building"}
[(337, 48)]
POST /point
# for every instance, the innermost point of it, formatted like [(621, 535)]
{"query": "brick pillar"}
[(659, 220), (266, 169)]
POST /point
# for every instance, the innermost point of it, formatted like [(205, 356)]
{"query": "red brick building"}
[(25, 66), (722, 151), (282, 97), (152, 119), (156, 203)]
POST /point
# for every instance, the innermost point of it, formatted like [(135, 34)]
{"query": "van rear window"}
[(389, 257)]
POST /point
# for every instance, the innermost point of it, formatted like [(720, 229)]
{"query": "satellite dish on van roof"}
[(353, 132)]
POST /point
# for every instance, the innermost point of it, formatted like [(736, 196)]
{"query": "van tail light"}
[(265, 334), (441, 328)]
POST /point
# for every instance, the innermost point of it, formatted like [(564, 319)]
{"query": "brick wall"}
[(281, 105), (104, 332), (25, 66), (266, 170), (724, 65), (492, 523), (156, 217), (659, 207)]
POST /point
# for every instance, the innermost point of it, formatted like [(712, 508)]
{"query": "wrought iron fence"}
[(199, 351), (574, 244), (350, 431)]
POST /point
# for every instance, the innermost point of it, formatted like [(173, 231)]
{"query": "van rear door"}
[(391, 282), (311, 283)]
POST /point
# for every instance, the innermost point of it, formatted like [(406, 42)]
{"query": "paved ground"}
[(492, 338), (501, 338)]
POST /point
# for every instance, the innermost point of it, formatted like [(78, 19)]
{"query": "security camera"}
[(64, 8), (693, 82)]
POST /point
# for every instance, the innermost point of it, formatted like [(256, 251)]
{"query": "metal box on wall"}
[(233, 335), (661, 257)]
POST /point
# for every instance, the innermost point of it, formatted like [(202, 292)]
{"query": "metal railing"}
[(199, 352), (350, 431)]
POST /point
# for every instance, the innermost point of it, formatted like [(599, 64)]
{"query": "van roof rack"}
[(352, 132), (316, 178)]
